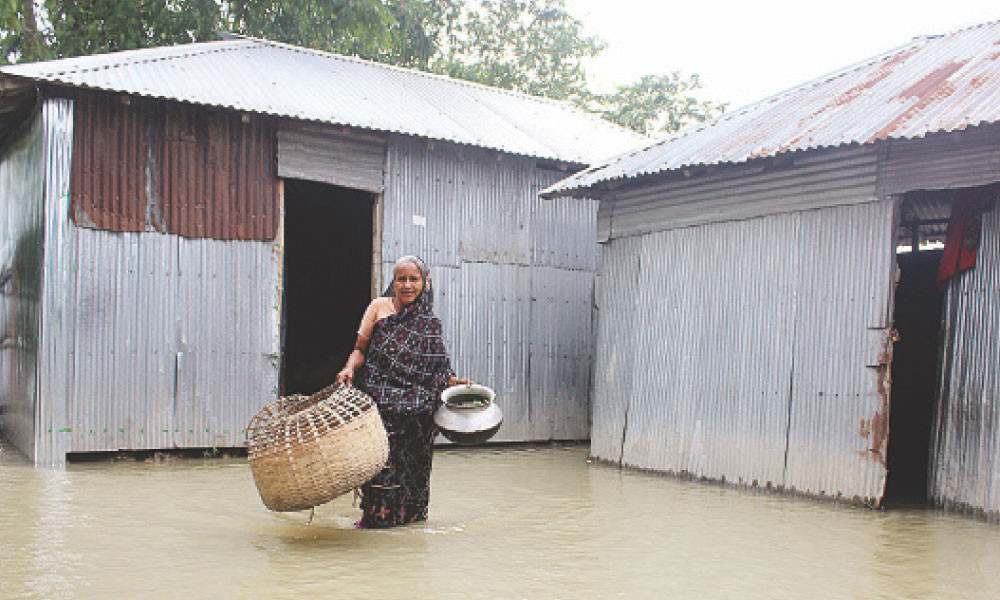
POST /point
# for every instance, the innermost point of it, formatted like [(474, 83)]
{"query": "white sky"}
[(746, 50)]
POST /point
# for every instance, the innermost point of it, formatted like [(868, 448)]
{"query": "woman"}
[(401, 362)]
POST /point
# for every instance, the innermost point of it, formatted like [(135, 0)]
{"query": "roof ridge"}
[(414, 71), (746, 108), (193, 49), (683, 149), (844, 71), (959, 30), (235, 45)]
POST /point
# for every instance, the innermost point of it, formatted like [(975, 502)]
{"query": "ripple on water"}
[(506, 522)]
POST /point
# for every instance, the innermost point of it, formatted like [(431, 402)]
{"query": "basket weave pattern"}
[(307, 450)]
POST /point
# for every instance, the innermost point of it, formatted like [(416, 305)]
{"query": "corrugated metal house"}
[(748, 301), (187, 230)]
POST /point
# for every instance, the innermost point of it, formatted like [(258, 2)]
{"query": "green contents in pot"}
[(467, 401)]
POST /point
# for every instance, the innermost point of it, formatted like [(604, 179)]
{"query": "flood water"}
[(510, 522)]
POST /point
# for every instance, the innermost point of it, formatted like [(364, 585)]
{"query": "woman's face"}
[(408, 283)]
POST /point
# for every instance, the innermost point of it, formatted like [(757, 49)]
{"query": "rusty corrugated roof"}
[(278, 79), (934, 83)]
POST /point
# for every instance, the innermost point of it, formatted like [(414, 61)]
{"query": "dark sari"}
[(405, 370)]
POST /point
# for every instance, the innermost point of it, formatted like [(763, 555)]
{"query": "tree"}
[(358, 27), (404, 32), (81, 27), (31, 31), (419, 29), (533, 46), (20, 38), (657, 103)]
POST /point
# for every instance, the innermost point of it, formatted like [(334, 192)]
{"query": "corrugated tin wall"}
[(941, 161), (322, 153), (151, 340), (22, 189), (50, 415), (748, 351), (814, 180), (513, 276), (965, 469), (177, 169)]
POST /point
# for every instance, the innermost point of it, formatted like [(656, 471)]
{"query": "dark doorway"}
[(327, 280), (917, 319)]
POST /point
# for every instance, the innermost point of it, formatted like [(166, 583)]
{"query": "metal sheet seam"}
[(51, 404), (710, 392), (931, 86)]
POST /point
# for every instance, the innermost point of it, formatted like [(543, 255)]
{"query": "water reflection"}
[(505, 523), (55, 564)]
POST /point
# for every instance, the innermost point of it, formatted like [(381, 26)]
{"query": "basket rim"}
[(279, 423)]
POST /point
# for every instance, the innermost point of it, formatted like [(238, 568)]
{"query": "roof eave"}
[(18, 100)]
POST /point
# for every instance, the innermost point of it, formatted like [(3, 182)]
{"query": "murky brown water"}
[(505, 523)]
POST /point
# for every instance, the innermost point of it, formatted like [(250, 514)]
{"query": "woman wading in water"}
[(402, 363)]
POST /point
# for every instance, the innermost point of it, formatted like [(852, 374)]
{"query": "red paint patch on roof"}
[(884, 70), (932, 82), (931, 88)]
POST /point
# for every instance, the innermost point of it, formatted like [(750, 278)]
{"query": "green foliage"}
[(32, 31), (20, 38), (533, 46), (419, 28), (359, 27), (95, 26), (657, 104)]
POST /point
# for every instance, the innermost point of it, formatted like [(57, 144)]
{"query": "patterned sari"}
[(405, 370)]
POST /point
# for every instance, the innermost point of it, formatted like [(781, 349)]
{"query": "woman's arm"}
[(354, 361)]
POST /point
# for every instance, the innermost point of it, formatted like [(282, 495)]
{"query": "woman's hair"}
[(413, 260), (427, 294)]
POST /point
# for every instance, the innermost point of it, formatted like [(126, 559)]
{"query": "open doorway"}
[(327, 280), (916, 354)]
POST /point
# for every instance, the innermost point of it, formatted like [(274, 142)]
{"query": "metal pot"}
[(469, 414)]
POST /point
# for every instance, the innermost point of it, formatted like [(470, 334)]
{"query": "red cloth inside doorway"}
[(964, 228)]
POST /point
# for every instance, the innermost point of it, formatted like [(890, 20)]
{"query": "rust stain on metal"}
[(934, 82), (104, 175), (886, 69), (857, 90), (876, 429), (978, 81), (761, 153), (794, 142), (927, 91), (152, 165)]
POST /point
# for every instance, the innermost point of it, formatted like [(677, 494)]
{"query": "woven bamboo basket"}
[(307, 450)]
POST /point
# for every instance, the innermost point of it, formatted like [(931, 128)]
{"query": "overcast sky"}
[(747, 50)]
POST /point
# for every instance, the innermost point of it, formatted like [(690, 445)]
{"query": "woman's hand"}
[(346, 376), (456, 381), (356, 358)]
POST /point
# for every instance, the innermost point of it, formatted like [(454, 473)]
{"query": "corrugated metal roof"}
[(934, 83), (278, 79)]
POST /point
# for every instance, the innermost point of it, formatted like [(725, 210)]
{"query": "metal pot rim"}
[(479, 390)]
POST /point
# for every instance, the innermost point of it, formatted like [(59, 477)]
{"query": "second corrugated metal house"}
[(751, 329), (183, 226)]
